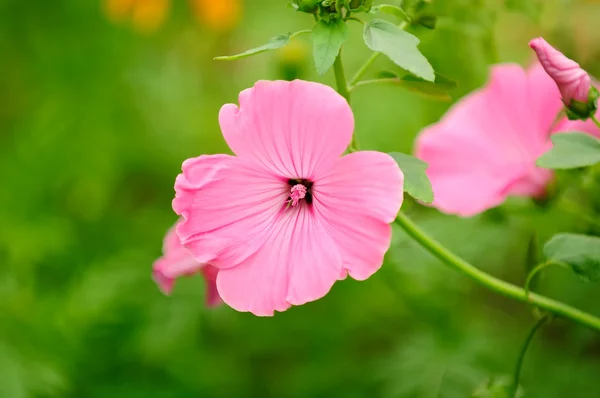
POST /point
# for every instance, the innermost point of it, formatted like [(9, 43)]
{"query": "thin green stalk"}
[(342, 88), (497, 285), (374, 81), (532, 332), (535, 271), (595, 120), (340, 77), (363, 69)]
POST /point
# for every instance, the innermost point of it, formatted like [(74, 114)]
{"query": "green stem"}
[(342, 88), (363, 69), (535, 271), (493, 283), (374, 81), (340, 77), (536, 327), (595, 120)]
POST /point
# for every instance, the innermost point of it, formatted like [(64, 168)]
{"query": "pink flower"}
[(177, 261), (485, 148), (287, 216), (573, 82)]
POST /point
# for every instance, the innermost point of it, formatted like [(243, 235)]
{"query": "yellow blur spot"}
[(219, 15), (146, 16), (118, 10), (295, 52)]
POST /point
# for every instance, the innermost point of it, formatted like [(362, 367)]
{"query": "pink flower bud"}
[(573, 82)]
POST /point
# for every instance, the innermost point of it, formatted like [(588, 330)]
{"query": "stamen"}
[(297, 193)]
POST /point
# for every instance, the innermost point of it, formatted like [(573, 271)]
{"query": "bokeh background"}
[(100, 102)]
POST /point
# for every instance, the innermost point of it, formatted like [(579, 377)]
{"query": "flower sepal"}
[(579, 110)]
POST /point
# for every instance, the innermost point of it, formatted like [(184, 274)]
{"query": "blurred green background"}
[(97, 113)]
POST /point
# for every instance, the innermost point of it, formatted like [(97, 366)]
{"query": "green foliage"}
[(327, 38), (416, 182), (496, 387), (439, 89), (571, 150), (392, 10), (399, 46), (273, 44), (580, 252)]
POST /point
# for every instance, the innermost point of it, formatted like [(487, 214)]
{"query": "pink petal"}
[(572, 81), (226, 203), (485, 147), (298, 263), (358, 199), (292, 128), (177, 261), (213, 298)]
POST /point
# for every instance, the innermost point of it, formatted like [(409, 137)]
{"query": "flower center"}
[(300, 189)]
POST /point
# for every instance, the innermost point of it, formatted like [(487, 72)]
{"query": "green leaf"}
[(580, 252), (399, 46), (439, 89), (273, 44), (393, 10), (571, 150), (328, 38), (416, 182)]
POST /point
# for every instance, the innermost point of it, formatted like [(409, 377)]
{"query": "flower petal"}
[(298, 263), (212, 294), (488, 142), (225, 203), (358, 199), (175, 262), (366, 182), (292, 128)]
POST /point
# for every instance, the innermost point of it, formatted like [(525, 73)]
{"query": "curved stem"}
[(535, 271), (497, 285), (593, 117), (536, 327)]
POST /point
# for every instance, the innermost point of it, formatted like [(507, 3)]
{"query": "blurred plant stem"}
[(595, 120), (493, 283), (445, 255), (532, 332), (536, 270), (342, 88)]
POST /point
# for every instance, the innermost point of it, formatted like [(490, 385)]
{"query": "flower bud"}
[(363, 5), (578, 94), (309, 6)]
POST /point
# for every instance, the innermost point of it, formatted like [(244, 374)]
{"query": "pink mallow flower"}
[(485, 148), (288, 215), (177, 261)]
